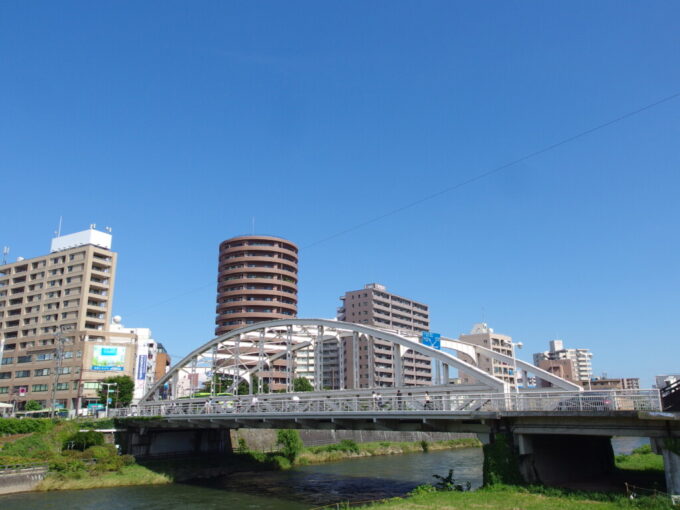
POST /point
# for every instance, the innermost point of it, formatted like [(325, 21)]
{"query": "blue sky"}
[(176, 123)]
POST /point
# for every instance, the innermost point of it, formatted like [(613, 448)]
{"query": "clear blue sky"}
[(176, 122)]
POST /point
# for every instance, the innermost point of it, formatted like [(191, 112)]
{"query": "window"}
[(44, 356), (4, 390), (22, 373), (68, 355), (64, 370), (62, 386), (91, 386), (41, 372), (39, 387), (24, 359), (5, 375), (7, 361)]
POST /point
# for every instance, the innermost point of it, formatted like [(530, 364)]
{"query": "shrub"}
[(66, 465), (128, 460), (32, 405), (101, 452), (242, 446), (290, 442), (422, 489), (281, 462), (83, 440), (24, 426), (425, 446), (347, 445)]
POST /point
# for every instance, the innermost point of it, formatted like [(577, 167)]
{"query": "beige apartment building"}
[(484, 336), (375, 306), (54, 315)]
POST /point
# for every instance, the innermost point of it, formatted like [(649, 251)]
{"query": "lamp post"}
[(518, 345), (106, 402)]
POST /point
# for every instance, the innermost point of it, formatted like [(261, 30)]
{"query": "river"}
[(299, 488)]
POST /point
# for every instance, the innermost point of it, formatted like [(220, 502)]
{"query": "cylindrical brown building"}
[(257, 281)]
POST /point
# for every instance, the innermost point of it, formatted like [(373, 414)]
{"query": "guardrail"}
[(420, 403)]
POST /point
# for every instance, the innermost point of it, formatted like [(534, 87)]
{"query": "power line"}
[(497, 169), (459, 185)]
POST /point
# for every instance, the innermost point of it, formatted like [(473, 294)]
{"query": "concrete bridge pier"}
[(145, 442), (550, 459), (670, 449)]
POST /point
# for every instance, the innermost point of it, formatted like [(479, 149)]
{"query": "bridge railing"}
[(437, 401)]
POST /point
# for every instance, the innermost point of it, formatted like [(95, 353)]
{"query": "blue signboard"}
[(431, 340), (141, 367)]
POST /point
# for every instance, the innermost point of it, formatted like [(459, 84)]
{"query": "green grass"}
[(641, 459), (128, 475), (520, 498), (349, 449)]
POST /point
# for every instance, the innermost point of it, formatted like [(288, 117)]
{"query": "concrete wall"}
[(21, 480)]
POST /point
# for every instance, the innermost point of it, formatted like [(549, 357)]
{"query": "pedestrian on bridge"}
[(254, 404), (399, 400), (428, 400)]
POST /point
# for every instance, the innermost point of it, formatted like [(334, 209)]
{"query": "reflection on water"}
[(300, 488), (359, 479)]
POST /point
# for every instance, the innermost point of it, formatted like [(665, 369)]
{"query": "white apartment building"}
[(582, 367)]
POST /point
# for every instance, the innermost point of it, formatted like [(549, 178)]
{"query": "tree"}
[(302, 384), (121, 393), (290, 442), (32, 405)]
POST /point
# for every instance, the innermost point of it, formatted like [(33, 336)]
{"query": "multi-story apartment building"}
[(258, 281), (484, 336), (375, 306), (55, 312), (580, 358), (605, 383)]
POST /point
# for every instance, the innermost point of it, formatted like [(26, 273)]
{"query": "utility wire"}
[(488, 173), (459, 185)]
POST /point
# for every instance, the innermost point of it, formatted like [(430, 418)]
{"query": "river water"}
[(300, 488)]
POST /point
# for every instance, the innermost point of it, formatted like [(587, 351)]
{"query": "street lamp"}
[(518, 345), (106, 404)]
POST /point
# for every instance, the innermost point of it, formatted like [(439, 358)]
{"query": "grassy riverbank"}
[(524, 498), (350, 449), (43, 442)]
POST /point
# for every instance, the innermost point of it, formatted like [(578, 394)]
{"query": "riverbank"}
[(349, 449), (524, 498)]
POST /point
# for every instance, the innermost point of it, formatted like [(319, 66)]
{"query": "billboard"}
[(141, 367), (108, 358)]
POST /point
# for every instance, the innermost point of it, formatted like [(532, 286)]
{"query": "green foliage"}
[(448, 483), (25, 425), (121, 394), (242, 446), (500, 462), (422, 489), (645, 449), (34, 447), (67, 464), (425, 446), (290, 442), (346, 445), (84, 440), (32, 405), (104, 423), (302, 384), (281, 462)]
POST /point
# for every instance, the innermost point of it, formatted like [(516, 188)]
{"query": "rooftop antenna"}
[(5, 252)]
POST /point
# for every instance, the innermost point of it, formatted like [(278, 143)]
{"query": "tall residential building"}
[(484, 336), (375, 306), (580, 358), (258, 281), (55, 312)]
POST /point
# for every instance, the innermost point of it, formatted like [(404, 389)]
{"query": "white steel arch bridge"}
[(271, 348)]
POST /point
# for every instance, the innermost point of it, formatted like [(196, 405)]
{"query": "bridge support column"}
[(670, 449)]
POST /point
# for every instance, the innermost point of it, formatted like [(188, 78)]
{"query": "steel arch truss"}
[(269, 349)]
